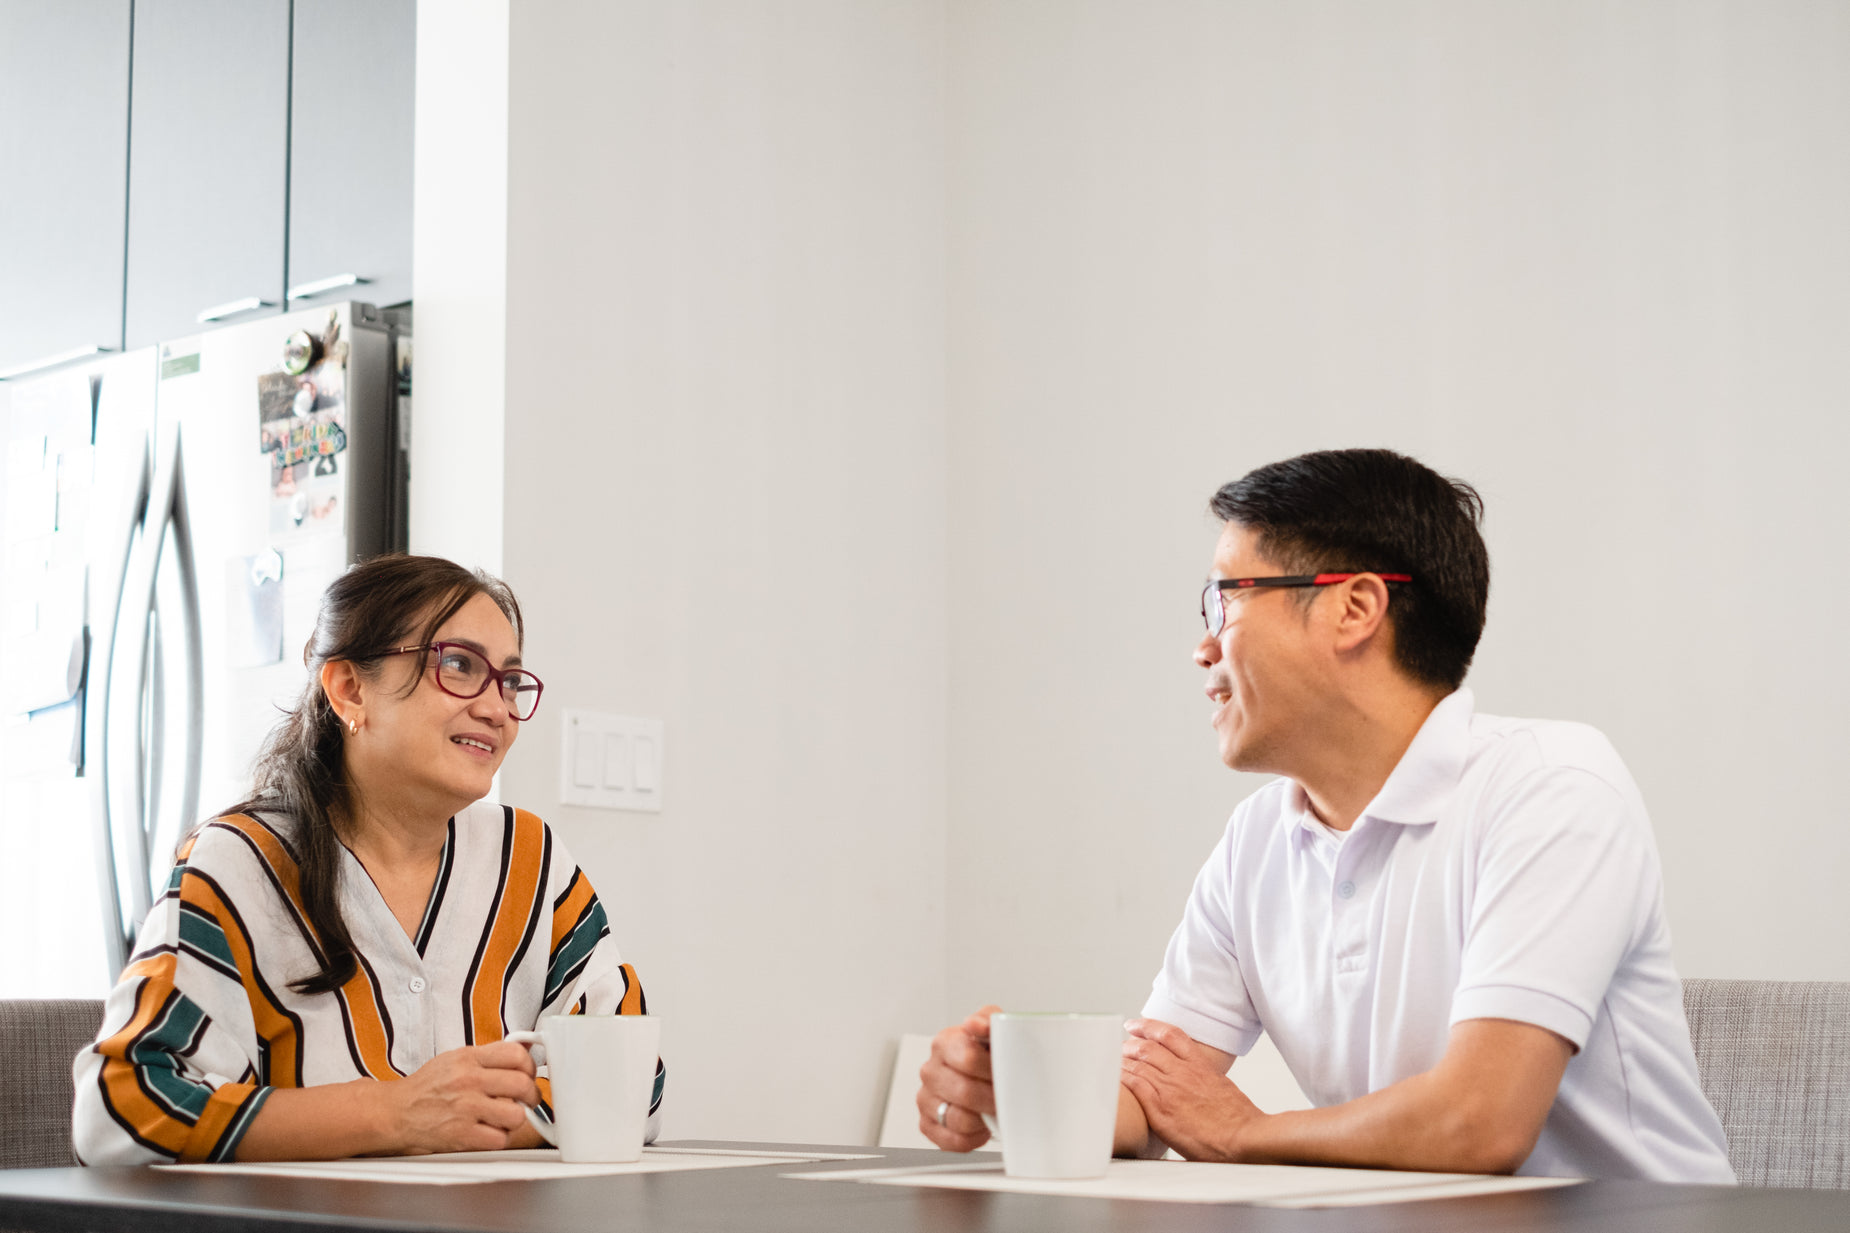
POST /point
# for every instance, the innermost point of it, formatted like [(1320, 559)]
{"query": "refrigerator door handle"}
[(116, 929), (193, 632), (132, 813)]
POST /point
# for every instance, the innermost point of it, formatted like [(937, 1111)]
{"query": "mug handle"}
[(536, 1044)]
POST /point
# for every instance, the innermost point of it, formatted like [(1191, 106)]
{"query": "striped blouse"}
[(203, 1024)]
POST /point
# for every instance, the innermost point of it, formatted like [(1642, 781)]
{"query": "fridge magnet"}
[(299, 405), (329, 370), (310, 439), (301, 350), (275, 398), (403, 349), (329, 381), (290, 507), (306, 506)]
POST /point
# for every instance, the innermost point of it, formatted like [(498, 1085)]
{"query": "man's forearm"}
[(1480, 1110), (1418, 1123)]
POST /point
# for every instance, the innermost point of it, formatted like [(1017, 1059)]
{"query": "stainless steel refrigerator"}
[(171, 519)]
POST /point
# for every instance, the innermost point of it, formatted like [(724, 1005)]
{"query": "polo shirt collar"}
[(1424, 778), (1426, 775)]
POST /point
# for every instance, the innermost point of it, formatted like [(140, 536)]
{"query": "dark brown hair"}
[(387, 602), (1354, 510)]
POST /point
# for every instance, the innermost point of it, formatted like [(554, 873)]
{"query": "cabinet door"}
[(207, 164), (63, 167), (350, 150)]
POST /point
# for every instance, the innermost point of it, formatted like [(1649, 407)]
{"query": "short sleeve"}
[(1201, 988), (172, 1075), (1566, 875), (585, 974)]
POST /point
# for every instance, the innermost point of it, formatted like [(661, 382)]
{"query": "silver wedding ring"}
[(944, 1106)]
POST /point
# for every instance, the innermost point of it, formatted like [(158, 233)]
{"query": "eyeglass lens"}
[(1213, 609), (465, 674)]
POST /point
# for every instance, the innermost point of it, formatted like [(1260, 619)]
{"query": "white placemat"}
[(1183, 1182), (532, 1164)]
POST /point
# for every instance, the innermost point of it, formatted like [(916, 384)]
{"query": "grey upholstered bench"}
[(1774, 1057), (38, 1042)]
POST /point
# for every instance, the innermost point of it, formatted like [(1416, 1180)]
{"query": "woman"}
[(365, 916)]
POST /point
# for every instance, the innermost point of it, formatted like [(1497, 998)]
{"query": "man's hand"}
[(956, 1079), (1183, 1089)]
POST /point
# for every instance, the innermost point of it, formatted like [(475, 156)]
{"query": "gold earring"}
[(353, 727)]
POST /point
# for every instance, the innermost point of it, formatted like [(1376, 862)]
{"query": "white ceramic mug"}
[(602, 1069), (1056, 1079)]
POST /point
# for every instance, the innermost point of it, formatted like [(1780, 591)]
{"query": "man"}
[(1452, 925)]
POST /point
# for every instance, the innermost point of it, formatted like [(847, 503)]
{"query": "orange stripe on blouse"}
[(632, 992), (219, 1113), (565, 916), (274, 854), (357, 994), (368, 1026), (121, 1086), (274, 1027), (525, 873)]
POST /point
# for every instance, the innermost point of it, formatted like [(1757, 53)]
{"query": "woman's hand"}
[(471, 1099)]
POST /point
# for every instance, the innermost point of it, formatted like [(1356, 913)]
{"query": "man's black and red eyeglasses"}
[(1214, 604)]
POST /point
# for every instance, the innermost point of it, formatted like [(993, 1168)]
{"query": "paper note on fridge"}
[(47, 669), (254, 609)]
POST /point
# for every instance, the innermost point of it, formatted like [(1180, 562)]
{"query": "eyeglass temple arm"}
[(1302, 580)]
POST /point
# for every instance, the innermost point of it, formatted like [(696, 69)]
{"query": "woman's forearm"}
[(338, 1120), (329, 1122)]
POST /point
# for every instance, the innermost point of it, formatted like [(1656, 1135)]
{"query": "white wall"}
[(725, 508), (459, 238), (868, 368), (1590, 257)]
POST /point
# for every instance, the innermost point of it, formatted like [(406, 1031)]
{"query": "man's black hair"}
[(1340, 511)]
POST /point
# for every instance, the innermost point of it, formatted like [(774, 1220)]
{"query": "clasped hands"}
[(1174, 1088)]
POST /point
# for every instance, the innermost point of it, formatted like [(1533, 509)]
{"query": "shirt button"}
[(1346, 890), (417, 984)]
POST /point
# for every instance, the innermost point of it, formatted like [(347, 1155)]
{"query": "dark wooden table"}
[(757, 1200)]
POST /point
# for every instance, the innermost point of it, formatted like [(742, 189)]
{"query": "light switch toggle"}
[(584, 760), (611, 761)]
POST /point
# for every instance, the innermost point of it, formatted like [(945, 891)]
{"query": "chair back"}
[(38, 1042), (1774, 1058), (899, 1127)]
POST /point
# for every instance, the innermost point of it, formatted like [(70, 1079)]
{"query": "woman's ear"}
[(345, 689)]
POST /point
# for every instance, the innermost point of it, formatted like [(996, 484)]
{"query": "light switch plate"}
[(611, 761)]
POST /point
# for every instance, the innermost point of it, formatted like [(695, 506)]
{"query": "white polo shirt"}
[(1506, 870)]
